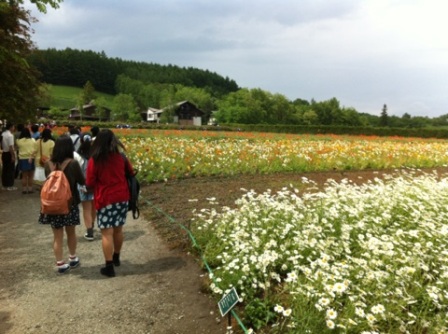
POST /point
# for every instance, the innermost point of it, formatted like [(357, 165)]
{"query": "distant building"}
[(151, 115), (185, 113), (89, 113)]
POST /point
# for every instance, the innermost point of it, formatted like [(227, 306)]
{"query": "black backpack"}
[(134, 190)]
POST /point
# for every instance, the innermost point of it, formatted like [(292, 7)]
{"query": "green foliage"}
[(65, 97), (157, 86), (88, 93), (57, 113), (125, 108), (18, 81), (259, 313), (74, 67)]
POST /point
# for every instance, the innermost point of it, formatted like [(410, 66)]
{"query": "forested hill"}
[(75, 67)]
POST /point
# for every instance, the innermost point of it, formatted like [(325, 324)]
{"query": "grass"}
[(65, 97)]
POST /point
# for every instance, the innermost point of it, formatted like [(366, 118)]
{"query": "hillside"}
[(71, 67), (65, 97)]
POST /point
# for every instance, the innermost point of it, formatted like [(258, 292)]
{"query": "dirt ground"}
[(159, 288)]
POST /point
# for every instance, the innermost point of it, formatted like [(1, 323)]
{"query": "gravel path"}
[(157, 290)]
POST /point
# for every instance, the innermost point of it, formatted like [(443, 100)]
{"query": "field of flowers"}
[(347, 258), (164, 155)]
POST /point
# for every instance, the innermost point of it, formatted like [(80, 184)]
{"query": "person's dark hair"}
[(9, 125), (94, 130), (34, 127), (74, 131), (63, 149), (46, 135), (104, 144), (86, 142), (25, 133)]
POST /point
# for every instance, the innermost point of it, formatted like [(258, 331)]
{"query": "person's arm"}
[(90, 174), (12, 150)]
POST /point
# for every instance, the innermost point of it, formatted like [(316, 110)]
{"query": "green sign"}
[(228, 302)]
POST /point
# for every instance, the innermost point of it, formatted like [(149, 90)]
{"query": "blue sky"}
[(366, 53)]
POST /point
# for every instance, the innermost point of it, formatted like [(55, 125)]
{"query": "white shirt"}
[(77, 139), (7, 141)]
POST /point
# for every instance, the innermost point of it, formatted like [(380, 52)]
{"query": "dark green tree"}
[(88, 93), (384, 117)]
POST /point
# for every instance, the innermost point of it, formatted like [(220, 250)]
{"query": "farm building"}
[(184, 113), (89, 113), (151, 115)]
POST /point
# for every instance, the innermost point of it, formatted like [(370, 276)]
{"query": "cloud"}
[(365, 53)]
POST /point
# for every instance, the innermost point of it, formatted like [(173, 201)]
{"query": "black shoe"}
[(89, 237), (116, 259), (108, 271)]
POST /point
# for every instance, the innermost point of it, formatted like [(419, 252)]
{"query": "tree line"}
[(139, 85), (24, 71)]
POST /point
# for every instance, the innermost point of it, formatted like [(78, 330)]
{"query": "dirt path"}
[(157, 290)]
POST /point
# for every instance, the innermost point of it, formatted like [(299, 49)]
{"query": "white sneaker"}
[(63, 268)]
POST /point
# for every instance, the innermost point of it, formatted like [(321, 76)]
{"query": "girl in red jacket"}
[(106, 176)]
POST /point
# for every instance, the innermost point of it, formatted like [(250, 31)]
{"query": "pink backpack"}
[(56, 195)]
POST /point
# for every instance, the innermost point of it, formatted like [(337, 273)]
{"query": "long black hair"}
[(104, 144), (46, 135), (25, 133), (63, 149), (86, 143)]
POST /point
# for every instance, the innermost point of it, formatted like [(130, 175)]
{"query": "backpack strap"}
[(58, 166)]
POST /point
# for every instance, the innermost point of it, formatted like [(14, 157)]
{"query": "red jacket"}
[(108, 180)]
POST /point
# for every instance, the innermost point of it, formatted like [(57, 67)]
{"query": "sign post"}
[(227, 303)]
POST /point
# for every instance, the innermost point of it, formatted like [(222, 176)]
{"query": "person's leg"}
[(30, 181), (71, 239), (87, 213), (118, 238), (4, 169), (58, 234), (72, 243), (8, 170), (107, 240), (58, 237), (88, 222), (93, 213), (118, 243), (24, 181)]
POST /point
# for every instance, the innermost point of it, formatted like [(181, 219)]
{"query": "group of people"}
[(21, 147), (95, 166)]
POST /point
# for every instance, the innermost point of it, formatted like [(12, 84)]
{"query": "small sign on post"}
[(228, 302)]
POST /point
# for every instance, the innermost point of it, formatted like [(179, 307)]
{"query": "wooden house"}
[(184, 113), (88, 113), (151, 115)]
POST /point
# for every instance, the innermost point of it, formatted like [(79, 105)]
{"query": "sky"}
[(365, 53)]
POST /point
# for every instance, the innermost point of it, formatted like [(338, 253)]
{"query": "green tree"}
[(125, 108), (57, 113), (101, 104), (310, 117), (384, 117), (19, 84), (88, 93)]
